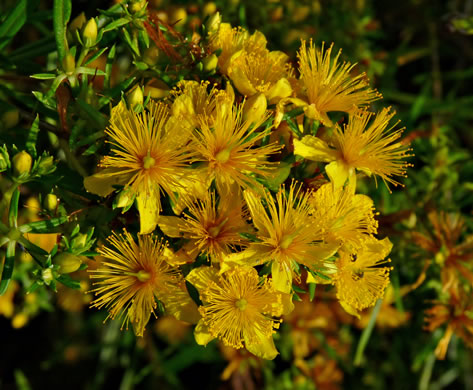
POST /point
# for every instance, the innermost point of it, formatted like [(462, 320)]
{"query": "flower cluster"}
[(243, 213)]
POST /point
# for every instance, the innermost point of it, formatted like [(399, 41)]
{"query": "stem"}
[(427, 372), (72, 159), (367, 333)]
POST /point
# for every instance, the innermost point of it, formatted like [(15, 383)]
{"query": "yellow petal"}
[(337, 173), (148, 207), (181, 306), (241, 82), (278, 91), (287, 303), (350, 309), (314, 149), (282, 277), (200, 277), (201, 334), (264, 349), (170, 225), (101, 183)]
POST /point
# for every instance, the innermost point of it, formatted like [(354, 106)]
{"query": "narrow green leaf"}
[(96, 55), (8, 267), (115, 24), (13, 23), (43, 76), (113, 93), (130, 42), (61, 15), (109, 66), (32, 137), (46, 226), (13, 211), (67, 281), (312, 291)]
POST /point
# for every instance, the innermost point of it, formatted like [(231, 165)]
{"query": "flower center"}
[(143, 276), (148, 161), (223, 156), (214, 231), (241, 304), (286, 242)]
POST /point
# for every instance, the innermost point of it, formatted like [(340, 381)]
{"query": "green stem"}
[(72, 159), (367, 333), (427, 372)]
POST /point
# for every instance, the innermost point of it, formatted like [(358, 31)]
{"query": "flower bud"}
[(90, 33), (77, 22), (19, 320), (50, 202), (135, 97), (47, 276), (45, 165), (22, 162), (151, 55), (125, 199), (210, 63), (67, 262), (136, 6), (254, 108), (69, 64), (10, 119), (178, 16), (209, 8), (3, 163), (213, 23), (79, 241), (156, 89)]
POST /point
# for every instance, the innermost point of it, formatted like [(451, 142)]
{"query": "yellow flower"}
[(148, 155), (194, 103), (347, 218), (327, 85), (286, 235), (368, 147), (359, 279), (211, 227), (231, 40), (228, 147), (132, 277), (264, 72), (238, 307)]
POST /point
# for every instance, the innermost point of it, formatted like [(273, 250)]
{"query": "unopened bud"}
[(125, 199), (50, 202), (209, 9), (79, 241), (135, 97), (77, 22), (22, 162), (213, 23), (10, 119), (69, 63), (254, 108), (3, 163), (45, 165), (210, 63), (67, 262), (136, 6), (156, 89), (151, 55), (19, 320), (178, 16), (90, 33), (47, 275)]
